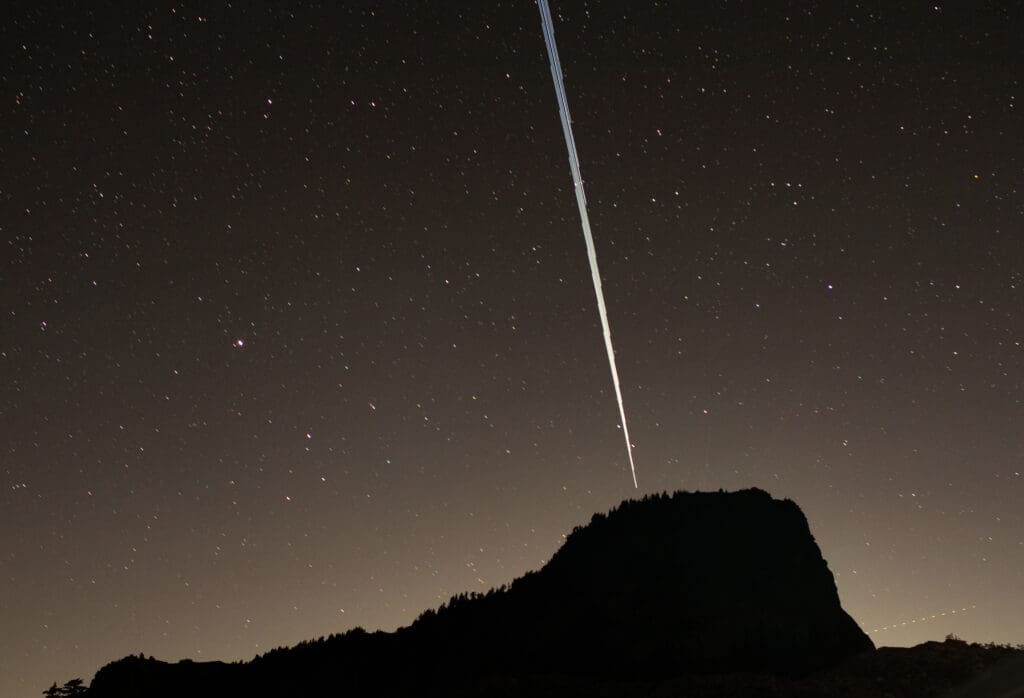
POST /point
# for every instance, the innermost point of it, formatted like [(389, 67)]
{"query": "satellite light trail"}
[(581, 200), (923, 619)]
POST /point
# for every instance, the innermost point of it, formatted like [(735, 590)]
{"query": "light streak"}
[(581, 201), (923, 619)]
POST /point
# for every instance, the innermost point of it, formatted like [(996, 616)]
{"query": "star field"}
[(297, 330)]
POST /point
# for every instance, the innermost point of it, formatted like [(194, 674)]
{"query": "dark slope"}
[(693, 583), (706, 582)]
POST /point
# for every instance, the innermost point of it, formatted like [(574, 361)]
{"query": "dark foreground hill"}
[(667, 591)]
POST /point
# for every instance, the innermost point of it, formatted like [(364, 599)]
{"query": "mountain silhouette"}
[(689, 584)]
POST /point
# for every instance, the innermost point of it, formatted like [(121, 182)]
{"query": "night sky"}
[(297, 331)]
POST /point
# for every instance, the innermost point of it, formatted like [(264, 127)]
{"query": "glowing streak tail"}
[(581, 200)]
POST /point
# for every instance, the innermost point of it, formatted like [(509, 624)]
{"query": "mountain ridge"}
[(692, 583)]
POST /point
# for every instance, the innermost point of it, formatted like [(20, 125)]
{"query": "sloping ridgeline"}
[(689, 583)]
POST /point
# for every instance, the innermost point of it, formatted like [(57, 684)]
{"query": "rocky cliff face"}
[(690, 583)]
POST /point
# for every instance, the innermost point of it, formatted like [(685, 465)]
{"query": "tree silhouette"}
[(74, 687)]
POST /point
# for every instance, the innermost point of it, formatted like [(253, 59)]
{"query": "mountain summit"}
[(687, 583), (671, 585)]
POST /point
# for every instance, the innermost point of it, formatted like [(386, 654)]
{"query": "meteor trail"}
[(581, 200)]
